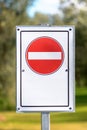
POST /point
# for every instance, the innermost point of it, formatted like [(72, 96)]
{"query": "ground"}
[(59, 121)]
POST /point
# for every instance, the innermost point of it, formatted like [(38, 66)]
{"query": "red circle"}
[(44, 45)]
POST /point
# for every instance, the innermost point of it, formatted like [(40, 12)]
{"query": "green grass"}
[(81, 91), (78, 116), (21, 121), (81, 96)]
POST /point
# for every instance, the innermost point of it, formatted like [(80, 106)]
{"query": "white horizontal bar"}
[(44, 55)]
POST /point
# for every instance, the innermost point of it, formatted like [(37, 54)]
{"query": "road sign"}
[(45, 68), (44, 55)]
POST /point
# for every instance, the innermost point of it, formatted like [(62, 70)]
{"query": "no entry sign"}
[(44, 55), (45, 68)]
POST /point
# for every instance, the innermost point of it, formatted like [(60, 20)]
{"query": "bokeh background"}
[(29, 12)]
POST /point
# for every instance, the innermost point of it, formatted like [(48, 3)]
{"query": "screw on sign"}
[(44, 55)]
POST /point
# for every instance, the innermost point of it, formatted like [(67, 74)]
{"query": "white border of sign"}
[(71, 69)]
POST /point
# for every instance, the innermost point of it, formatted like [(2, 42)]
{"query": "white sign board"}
[(45, 68)]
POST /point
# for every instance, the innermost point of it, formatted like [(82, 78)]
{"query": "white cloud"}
[(44, 6), (49, 1)]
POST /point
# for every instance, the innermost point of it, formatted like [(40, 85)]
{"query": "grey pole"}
[(45, 121)]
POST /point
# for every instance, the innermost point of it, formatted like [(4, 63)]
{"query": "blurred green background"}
[(15, 12)]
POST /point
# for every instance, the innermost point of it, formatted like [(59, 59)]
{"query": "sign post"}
[(45, 70), (45, 121)]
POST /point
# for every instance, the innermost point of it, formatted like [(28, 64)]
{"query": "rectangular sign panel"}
[(45, 68)]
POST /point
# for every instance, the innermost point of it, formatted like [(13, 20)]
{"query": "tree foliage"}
[(12, 13), (76, 14)]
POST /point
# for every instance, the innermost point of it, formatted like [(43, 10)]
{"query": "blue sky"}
[(44, 6)]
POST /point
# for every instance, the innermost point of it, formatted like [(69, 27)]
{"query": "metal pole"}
[(45, 121)]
